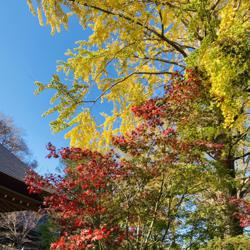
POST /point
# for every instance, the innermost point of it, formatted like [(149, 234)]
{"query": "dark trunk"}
[(233, 221)]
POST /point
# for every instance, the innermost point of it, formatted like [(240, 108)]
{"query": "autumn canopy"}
[(168, 168)]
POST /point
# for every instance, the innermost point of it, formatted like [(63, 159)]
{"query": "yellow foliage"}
[(133, 49), (85, 135), (31, 7), (225, 62)]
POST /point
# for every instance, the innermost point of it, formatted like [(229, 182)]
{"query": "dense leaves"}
[(81, 199), (158, 190), (176, 75)]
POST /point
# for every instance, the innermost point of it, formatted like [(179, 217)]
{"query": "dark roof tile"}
[(11, 165)]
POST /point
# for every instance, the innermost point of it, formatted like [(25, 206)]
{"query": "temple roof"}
[(14, 195), (11, 165)]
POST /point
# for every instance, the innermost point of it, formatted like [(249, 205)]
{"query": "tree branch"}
[(124, 79), (155, 211), (160, 60), (173, 44), (240, 157)]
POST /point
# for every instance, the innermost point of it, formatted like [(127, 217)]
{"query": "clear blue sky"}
[(28, 53)]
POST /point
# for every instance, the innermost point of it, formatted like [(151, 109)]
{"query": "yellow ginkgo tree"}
[(134, 48)]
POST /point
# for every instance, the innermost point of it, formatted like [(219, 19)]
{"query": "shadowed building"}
[(14, 195)]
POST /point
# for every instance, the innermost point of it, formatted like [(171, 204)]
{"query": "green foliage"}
[(66, 100), (231, 243), (49, 233)]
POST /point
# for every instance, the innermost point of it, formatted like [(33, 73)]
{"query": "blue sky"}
[(28, 53)]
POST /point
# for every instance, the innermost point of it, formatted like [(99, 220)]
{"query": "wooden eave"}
[(14, 195)]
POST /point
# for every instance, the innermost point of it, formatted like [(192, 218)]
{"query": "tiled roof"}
[(11, 165)]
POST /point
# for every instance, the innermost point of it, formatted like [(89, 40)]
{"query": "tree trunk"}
[(233, 221)]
